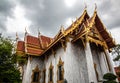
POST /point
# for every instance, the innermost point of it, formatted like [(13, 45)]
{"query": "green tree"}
[(9, 72), (109, 78), (116, 53)]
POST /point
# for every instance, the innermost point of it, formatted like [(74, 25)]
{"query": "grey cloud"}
[(111, 8), (49, 15), (6, 10)]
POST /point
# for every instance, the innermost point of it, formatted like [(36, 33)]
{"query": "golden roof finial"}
[(39, 32), (62, 29), (17, 36), (85, 6), (95, 7), (25, 30), (87, 22)]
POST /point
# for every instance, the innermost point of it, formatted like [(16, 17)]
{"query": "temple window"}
[(51, 73), (36, 75), (60, 71), (44, 75)]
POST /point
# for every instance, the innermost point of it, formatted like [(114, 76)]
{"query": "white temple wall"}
[(24, 72), (26, 77), (75, 64), (110, 61), (78, 64), (96, 62), (100, 59), (75, 69), (54, 59), (103, 63), (31, 65), (90, 64)]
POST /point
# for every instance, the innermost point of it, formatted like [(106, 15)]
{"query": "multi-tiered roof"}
[(85, 28)]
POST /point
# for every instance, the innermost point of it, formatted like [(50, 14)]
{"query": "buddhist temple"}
[(78, 54)]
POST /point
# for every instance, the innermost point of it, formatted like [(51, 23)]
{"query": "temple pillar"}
[(27, 75), (90, 64), (103, 63), (109, 62)]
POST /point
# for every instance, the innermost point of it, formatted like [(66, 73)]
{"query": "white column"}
[(27, 76), (90, 64), (103, 63), (110, 61)]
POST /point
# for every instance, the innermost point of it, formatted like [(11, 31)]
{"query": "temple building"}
[(78, 54)]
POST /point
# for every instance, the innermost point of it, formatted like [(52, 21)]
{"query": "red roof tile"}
[(45, 41), (21, 46), (104, 33), (32, 40), (33, 51)]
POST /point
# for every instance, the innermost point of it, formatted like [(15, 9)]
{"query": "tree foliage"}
[(116, 52), (9, 73), (109, 78)]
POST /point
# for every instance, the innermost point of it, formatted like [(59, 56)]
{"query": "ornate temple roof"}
[(96, 32), (20, 47), (84, 28), (33, 45), (45, 41)]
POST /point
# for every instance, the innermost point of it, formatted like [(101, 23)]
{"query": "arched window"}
[(36, 75), (44, 75), (60, 71), (50, 73)]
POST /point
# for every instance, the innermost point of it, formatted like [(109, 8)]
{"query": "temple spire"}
[(17, 36), (95, 7), (62, 29), (39, 32), (26, 31), (85, 6), (94, 16)]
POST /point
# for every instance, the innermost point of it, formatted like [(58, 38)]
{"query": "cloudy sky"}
[(49, 15)]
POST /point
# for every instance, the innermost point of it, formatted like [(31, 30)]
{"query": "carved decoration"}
[(61, 63), (63, 43), (36, 70), (67, 39), (91, 34), (50, 68)]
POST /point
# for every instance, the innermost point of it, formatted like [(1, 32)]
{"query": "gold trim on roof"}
[(89, 35), (78, 22), (66, 31), (21, 53), (32, 54), (33, 46)]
